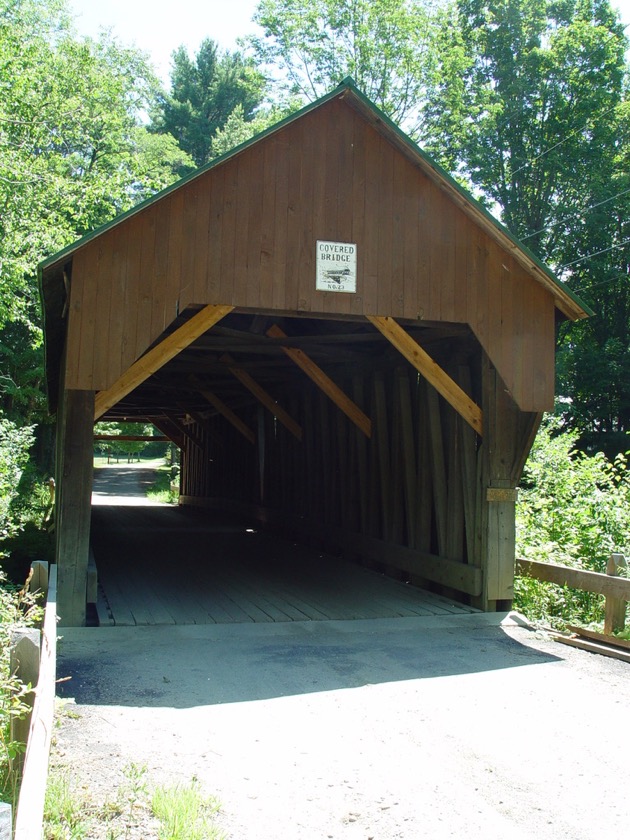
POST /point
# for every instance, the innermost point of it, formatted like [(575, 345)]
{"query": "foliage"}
[(313, 44), (204, 92), (70, 125), (162, 489), (126, 447), (185, 813), (176, 812), (237, 129), (594, 355), (64, 811), (16, 610), (523, 101), (574, 509), (15, 443), (529, 105)]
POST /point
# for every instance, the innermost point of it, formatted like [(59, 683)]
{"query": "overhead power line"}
[(596, 254), (567, 218)]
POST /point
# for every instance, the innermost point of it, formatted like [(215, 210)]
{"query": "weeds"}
[(574, 509), (17, 609), (185, 813), (177, 812), (65, 813)]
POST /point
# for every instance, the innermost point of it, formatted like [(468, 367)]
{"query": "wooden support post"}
[(74, 504), (615, 608), (431, 371), (508, 436), (438, 469), (323, 381), (24, 664), (409, 456)]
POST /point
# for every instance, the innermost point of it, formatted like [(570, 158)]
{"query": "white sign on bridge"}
[(336, 267)]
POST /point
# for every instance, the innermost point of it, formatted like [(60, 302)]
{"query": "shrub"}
[(574, 509)]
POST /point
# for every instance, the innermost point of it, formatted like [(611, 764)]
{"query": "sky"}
[(160, 26)]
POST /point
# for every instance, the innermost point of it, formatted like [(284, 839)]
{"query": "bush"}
[(24, 504), (574, 509)]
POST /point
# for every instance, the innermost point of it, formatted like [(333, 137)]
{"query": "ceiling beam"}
[(263, 396), (431, 371), (223, 409), (325, 383), (158, 356)]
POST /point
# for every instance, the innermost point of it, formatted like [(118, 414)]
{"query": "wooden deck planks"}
[(160, 566)]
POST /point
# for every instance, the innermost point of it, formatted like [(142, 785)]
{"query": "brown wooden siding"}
[(244, 233)]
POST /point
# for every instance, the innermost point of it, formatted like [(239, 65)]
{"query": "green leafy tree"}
[(522, 103), (594, 355), (528, 105), (204, 92), (73, 153), (237, 129), (383, 44)]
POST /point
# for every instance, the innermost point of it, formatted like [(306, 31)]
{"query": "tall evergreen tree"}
[(204, 92)]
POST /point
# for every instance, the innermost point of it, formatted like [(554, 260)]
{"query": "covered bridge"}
[(337, 336)]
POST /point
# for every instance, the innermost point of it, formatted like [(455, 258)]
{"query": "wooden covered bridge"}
[(341, 341)]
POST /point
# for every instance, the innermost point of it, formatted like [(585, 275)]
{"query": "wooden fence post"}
[(615, 609)]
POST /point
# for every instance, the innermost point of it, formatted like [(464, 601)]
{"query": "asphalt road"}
[(390, 728)]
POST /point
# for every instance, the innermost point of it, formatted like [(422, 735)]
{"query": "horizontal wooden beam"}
[(224, 410), (158, 356), (263, 397), (431, 371), (325, 383), (148, 438), (587, 581)]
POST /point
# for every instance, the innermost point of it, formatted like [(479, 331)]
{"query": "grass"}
[(160, 490), (176, 812), (65, 814), (185, 813)]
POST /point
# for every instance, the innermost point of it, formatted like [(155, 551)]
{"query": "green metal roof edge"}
[(347, 83)]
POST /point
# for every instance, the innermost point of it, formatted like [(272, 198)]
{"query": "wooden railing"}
[(30, 809), (615, 589)]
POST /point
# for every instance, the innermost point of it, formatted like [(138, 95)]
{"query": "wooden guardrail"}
[(615, 589), (30, 809)]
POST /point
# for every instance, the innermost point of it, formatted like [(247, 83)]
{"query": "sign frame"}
[(336, 266)]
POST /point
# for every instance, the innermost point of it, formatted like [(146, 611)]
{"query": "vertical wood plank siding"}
[(244, 233)]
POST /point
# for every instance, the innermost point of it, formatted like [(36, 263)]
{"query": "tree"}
[(528, 106), (594, 355), (522, 103), (204, 92), (73, 154), (383, 44)]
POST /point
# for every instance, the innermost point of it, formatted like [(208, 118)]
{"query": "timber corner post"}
[(75, 419), (508, 435)]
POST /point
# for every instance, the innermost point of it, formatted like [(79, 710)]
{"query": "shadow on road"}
[(182, 667)]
